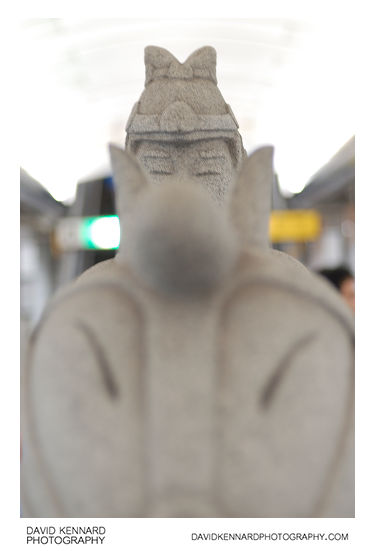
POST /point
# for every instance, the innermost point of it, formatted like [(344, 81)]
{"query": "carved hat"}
[(181, 102)]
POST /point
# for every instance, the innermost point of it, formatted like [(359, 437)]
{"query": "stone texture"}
[(199, 373), (182, 126)]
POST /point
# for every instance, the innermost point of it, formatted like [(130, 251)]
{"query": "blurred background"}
[(289, 83)]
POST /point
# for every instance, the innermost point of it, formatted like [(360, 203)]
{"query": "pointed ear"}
[(128, 175), (250, 204)]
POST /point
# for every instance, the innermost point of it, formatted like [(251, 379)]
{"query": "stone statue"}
[(182, 126), (199, 373)]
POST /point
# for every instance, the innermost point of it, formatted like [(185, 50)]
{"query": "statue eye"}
[(208, 167)]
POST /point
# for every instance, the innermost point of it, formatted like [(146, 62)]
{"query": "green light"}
[(100, 232)]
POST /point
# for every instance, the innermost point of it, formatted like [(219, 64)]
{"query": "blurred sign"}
[(294, 225), (103, 232), (94, 232)]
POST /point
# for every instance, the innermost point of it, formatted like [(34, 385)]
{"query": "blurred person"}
[(343, 279)]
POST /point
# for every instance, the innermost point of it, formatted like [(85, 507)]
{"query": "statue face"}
[(206, 162)]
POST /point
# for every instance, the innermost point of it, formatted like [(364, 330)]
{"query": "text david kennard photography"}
[(65, 534)]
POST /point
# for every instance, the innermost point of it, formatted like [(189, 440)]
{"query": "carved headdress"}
[(181, 102)]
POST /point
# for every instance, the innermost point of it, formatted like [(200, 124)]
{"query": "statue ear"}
[(250, 203), (156, 59), (129, 177), (203, 59)]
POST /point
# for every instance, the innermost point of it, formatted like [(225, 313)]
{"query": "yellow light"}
[(294, 225)]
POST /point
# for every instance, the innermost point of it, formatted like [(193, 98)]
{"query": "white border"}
[(175, 533)]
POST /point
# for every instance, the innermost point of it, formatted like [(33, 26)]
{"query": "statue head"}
[(178, 240), (181, 125)]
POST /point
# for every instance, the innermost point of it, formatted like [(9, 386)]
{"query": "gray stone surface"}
[(182, 125), (199, 373)]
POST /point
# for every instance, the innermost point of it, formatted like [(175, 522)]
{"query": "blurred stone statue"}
[(199, 373)]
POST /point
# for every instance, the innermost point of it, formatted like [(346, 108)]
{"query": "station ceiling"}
[(288, 81)]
